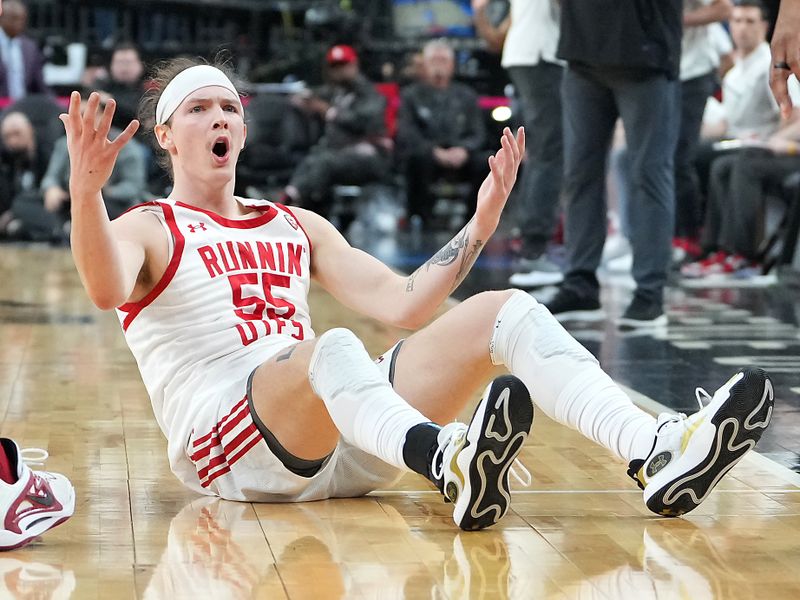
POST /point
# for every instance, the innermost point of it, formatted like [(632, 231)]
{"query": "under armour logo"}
[(194, 228)]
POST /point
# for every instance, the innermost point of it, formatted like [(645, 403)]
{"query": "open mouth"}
[(221, 147)]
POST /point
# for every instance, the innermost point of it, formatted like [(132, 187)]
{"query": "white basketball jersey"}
[(235, 292)]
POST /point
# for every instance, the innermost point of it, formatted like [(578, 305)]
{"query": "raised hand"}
[(91, 154), (503, 166)]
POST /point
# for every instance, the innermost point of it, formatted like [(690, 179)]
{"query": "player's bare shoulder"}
[(318, 228), (142, 229)]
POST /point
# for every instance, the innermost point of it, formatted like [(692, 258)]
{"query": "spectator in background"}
[(440, 131), (353, 149), (22, 162), (623, 61), (528, 38), (758, 148), (125, 82), (43, 214), (700, 59), (22, 61), (750, 111), (734, 227)]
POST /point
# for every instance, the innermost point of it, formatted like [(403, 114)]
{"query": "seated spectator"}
[(440, 131), (353, 149), (748, 111), (21, 61), (43, 214), (124, 83), (750, 118), (734, 226), (22, 162), (42, 111)]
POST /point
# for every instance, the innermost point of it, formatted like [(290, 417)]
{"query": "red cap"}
[(341, 55)]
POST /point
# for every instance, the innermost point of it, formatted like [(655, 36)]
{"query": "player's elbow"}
[(104, 301), (105, 298), (410, 319)]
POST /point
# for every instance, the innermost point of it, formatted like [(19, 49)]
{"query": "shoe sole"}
[(659, 321), (739, 423), (596, 314), (7, 542), (503, 418)]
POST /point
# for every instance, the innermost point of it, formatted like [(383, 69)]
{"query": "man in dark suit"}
[(21, 61), (440, 131)]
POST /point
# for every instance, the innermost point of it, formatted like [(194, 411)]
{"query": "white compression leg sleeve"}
[(566, 381), (361, 402)]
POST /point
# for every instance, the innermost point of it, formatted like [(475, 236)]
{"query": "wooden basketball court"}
[(68, 384)]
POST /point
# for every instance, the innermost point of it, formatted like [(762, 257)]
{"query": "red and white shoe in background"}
[(719, 263), (31, 502)]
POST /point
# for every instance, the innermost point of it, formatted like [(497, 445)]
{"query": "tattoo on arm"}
[(469, 258), (285, 356), (447, 255), (411, 278)]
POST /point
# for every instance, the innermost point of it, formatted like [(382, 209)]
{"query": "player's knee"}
[(339, 337), (486, 306), (493, 301)]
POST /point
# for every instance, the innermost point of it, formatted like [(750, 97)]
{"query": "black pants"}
[(592, 100), (688, 202), (422, 171), (737, 189), (325, 167), (539, 90), (38, 223)]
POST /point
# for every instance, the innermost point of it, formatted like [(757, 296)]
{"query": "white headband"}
[(188, 82)]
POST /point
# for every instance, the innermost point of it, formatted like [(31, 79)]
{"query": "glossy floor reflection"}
[(68, 384)]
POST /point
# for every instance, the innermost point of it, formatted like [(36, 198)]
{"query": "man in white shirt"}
[(752, 116), (529, 39)]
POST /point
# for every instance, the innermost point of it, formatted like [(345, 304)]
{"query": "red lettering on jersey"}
[(266, 256), (234, 258), (246, 255), (295, 252), (281, 259), (221, 253), (210, 260), (271, 280)]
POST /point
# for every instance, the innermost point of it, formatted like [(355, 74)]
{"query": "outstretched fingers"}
[(126, 135), (497, 165), (511, 156), (72, 118), (512, 143), (105, 121), (90, 114), (521, 141)]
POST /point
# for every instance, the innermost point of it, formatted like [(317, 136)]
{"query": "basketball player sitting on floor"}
[(212, 294)]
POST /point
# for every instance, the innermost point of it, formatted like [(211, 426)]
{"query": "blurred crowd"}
[(661, 151)]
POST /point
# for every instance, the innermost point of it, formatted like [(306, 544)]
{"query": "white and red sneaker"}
[(35, 502), (713, 264)]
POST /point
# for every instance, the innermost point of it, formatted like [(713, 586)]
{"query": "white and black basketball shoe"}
[(691, 454), (471, 464)]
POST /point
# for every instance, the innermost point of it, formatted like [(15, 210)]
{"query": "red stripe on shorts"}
[(228, 450), (227, 468), (229, 426), (216, 427)]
